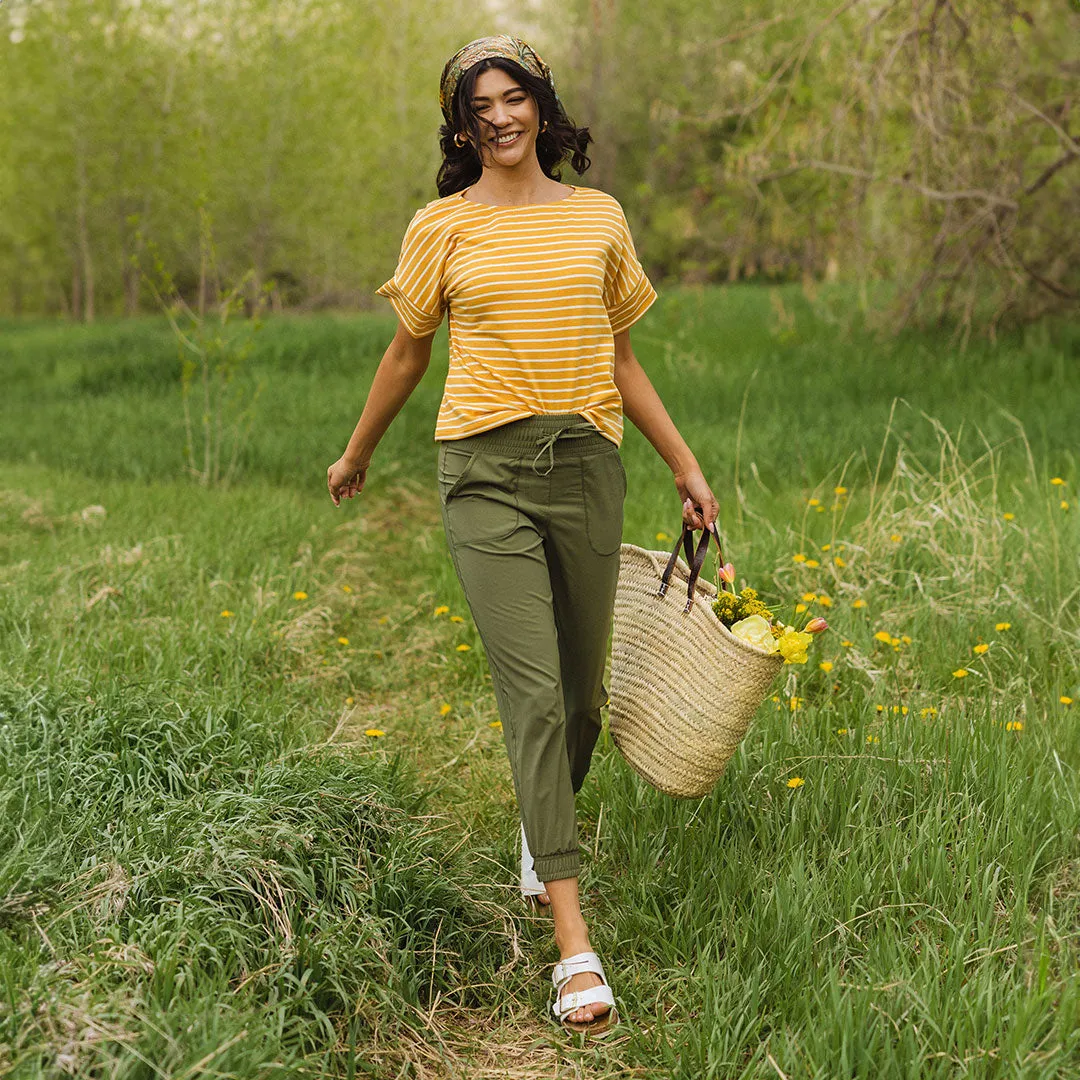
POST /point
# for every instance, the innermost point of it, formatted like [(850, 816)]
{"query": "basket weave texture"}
[(683, 688)]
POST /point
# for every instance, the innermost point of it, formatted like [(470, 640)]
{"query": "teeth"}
[(507, 138)]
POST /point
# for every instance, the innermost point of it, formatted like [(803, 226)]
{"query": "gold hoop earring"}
[(544, 128), (460, 139)]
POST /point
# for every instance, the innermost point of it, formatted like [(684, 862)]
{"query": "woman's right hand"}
[(345, 479)]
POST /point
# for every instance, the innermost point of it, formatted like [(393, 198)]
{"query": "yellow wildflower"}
[(456, 619), (463, 647), (350, 701), (1001, 627), (1064, 504), (343, 641), (444, 708), (346, 588), (1065, 699), (839, 490), (442, 609), (800, 557), (837, 561), (226, 614), (858, 604), (812, 564), (1014, 725), (382, 620), (880, 708), (299, 595), (885, 636), (374, 733), (813, 502), (872, 739), (1009, 516), (825, 601), (960, 673), (664, 538), (981, 648), (847, 644), (800, 608), (841, 731), (1057, 481), (826, 666), (928, 711), (896, 538), (496, 724), (795, 703), (809, 597), (826, 547), (796, 781), (905, 640)]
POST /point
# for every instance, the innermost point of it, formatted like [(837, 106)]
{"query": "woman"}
[(542, 284)]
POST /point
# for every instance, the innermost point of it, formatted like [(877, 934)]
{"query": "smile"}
[(506, 140)]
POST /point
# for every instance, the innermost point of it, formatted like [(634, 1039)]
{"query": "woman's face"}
[(509, 119)]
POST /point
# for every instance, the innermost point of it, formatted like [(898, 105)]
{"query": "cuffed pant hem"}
[(557, 867)]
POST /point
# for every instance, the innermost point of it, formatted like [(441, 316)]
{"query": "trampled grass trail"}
[(255, 814)]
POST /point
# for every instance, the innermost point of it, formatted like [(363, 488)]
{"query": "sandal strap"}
[(596, 995), (566, 969)]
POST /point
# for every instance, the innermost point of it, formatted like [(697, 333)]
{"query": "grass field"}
[(255, 814)]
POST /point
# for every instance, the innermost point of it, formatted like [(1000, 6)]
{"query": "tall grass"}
[(255, 819)]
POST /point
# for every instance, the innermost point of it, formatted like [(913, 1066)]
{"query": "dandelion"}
[(981, 648), (775, 697), (1001, 627), (496, 724), (663, 538), (825, 601), (885, 636), (800, 608), (928, 712), (826, 547), (800, 557), (382, 620), (350, 701), (857, 604), (1057, 481), (456, 619), (1008, 516), (880, 708), (872, 739), (1014, 725), (809, 597), (838, 562), (841, 731), (960, 673), (444, 708), (226, 614), (847, 644), (1064, 504), (826, 666), (813, 502), (896, 538), (463, 647), (839, 490), (905, 640), (299, 595), (442, 609), (795, 703), (374, 733), (812, 564), (343, 641), (346, 588), (819, 509), (796, 781), (1065, 699)]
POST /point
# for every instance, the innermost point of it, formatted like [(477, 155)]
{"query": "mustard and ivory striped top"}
[(535, 295)]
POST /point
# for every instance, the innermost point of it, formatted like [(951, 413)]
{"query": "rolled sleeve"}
[(416, 289), (628, 293)]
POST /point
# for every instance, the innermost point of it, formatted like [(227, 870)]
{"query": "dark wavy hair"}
[(562, 140)]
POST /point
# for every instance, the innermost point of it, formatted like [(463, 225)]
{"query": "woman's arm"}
[(401, 368), (642, 404)]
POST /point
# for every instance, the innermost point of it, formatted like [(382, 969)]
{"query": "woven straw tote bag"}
[(683, 688)]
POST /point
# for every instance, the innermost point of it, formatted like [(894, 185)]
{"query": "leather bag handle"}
[(695, 560)]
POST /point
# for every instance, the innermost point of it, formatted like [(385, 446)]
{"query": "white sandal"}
[(531, 886), (565, 1004)]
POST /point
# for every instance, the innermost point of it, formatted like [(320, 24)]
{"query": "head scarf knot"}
[(488, 48)]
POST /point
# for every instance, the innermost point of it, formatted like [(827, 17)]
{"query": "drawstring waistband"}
[(536, 436), (547, 445)]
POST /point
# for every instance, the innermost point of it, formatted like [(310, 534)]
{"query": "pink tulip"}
[(727, 573), (815, 626)]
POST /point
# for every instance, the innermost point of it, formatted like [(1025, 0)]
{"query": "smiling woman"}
[(542, 284)]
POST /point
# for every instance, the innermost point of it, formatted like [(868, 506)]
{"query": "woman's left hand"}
[(697, 496)]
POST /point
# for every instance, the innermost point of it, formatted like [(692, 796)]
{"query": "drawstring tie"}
[(547, 445)]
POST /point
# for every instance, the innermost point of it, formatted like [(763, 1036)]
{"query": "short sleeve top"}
[(535, 294)]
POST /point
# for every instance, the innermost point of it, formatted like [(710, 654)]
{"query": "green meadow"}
[(256, 818)]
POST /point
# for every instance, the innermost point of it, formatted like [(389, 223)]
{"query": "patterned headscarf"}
[(487, 48)]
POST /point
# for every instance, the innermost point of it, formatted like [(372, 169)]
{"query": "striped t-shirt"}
[(535, 294)]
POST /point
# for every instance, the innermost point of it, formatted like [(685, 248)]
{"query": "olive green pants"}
[(533, 517)]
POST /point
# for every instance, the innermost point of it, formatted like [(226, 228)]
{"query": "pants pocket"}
[(479, 495), (603, 488)]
